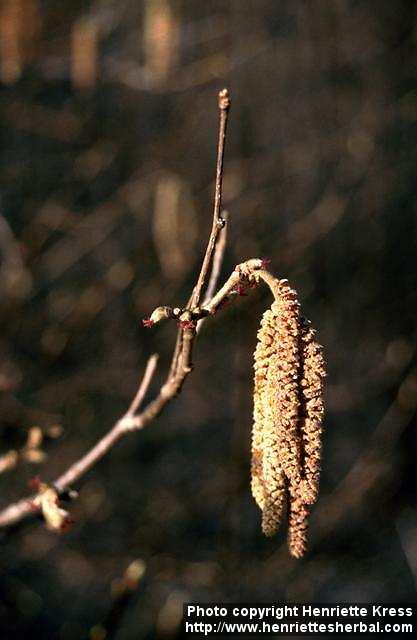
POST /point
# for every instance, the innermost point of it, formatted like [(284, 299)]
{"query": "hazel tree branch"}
[(216, 266), (217, 260), (247, 274), (23, 508), (181, 364), (144, 385), (217, 241), (218, 222)]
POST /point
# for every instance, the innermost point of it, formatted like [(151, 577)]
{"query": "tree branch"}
[(144, 385), (218, 223), (217, 260), (181, 364), (216, 266), (252, 271), (217, 241), (18, 511)]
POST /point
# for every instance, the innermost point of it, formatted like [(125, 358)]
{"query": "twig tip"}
[(224, 99)]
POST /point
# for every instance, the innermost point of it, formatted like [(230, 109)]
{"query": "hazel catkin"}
[(288, 413)]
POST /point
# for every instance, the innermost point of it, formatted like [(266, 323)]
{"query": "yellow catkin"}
[(283, 380), (312, 384), (288, 413), (257, 482), (268, 487), (273, 475), (297, 528)]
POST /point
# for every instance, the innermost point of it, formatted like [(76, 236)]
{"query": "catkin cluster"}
[(288, 413)]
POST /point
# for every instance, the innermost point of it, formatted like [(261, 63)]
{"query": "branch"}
[(181, 364), (217, 260), (217, 241), (248, 272), (216, 266), (218, 222), (23, 508), (144, 385)]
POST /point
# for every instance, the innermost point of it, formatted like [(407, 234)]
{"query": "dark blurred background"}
[(108, 142)]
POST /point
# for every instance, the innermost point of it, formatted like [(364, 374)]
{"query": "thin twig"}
[(215, 267), (218, 232), (223, 293), (217, 260), (144, 385), (88, 460), (177, 354), (224, 105)]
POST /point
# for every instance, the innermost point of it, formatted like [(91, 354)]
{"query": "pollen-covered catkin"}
[(261, 367), (273, 475), (267, 478), (312, 384), (297, 528), (283, 380), (288, 413)]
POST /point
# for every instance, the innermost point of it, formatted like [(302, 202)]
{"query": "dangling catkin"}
[(297, 528), (273, 476), (283, 380), (288, 413), (261, 356), (311, 423), (267, 478)]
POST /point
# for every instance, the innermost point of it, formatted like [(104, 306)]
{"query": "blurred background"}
[(108, 143)]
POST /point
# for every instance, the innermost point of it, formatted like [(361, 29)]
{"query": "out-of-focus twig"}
[(14, 278), (123, 590), (30, 452)]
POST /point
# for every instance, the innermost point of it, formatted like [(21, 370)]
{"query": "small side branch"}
[(144, 385)]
